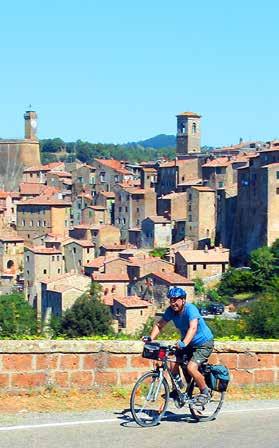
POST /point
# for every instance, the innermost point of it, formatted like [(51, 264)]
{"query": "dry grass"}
[(105, 398)]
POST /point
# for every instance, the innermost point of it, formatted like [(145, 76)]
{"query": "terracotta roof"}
[(12, 194), (13, 238), (84, 195), (113, 164), (158, 219), (170, 164), (141, 261), (221, 161), (173, 195), (46, 167), (173, 278), (189, 114), (110, 277), (96, 263), (149, 170), (60, 173), (132, 302), (29, 188), (45, 200), (96, 207), (83, 243), (108, 194), (117, 246), (201, 256), (203, 188), (44, 250)]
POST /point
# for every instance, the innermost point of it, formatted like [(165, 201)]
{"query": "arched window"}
[(10, 264), (194, 128)]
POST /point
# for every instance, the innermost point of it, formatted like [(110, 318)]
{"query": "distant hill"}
[(157, 142)]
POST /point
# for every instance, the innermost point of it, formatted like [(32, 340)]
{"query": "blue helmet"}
[(175, 292)]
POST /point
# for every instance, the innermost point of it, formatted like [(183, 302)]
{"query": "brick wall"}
[(84, 364)]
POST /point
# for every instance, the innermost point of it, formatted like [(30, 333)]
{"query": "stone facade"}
[(188, 133), (83, 365), (202, 264), (156, 231)]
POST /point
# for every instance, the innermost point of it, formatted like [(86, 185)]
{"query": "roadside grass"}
[(242, 296), (105, 398)]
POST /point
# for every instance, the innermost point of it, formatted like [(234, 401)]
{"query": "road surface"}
[(252, 424)]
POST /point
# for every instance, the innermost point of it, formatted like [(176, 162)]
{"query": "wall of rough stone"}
[(26, 365)]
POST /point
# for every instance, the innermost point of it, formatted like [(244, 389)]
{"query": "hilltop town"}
[(66, 225)]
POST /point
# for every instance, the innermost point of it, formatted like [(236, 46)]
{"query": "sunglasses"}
[(174, 299)]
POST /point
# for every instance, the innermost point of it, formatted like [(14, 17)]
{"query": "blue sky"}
[(118, 71)]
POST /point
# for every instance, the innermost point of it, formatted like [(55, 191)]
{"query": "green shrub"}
[(17, 317), (261, 318)]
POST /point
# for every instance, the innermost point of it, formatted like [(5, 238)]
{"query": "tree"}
[(88, 316), (199, 287), (17, 317), (236, 281), (261, 318), (261, 262)]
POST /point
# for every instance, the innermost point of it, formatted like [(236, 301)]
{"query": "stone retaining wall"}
[(26, 365)]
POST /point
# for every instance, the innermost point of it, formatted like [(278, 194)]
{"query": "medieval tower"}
[(16, 155), (188, 135)]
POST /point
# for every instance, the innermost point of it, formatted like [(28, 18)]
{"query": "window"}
[(223, 267), (277, 174), (138, 209), (102, 176), (31, 223), (27, 258), (126, 209), (27, 272), (45, 223), (58, 271), (66, 223), (190, 208), (23, 222), (194, 128), (277, 190), (53, 257), (190, 218), (57, 258), (141, 312), (79, 262), (119, 209), (194, 267), (204, 266), (124, 221), (220, 184), (44, 271), (74, 250), (88, 250), (116, 178), (38, 223), (190, 196)]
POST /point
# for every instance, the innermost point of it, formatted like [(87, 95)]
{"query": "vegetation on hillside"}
[(17, 317)]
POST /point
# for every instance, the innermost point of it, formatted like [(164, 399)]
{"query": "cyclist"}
[(196, 339)]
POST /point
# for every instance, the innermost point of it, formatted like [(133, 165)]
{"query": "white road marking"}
[(110, 420)]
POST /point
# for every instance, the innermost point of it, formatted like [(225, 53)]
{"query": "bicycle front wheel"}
[(149, 399), (211, 409)]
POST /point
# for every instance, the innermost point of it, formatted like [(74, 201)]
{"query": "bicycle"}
[(151, 393)]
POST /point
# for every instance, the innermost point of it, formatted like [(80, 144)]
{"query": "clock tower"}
[(30, 118), (188, 134)]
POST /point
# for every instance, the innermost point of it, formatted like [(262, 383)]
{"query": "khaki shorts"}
[(198, 354)]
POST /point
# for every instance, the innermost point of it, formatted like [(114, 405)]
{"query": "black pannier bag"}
[(152, 350), (218, 377)]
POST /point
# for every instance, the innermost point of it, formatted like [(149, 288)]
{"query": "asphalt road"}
[(252, 424)]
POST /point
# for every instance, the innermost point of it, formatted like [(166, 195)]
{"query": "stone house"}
[(156, 231), (40, 263), (107, 200), (109, 173), (204, 264), (112, 282), (8, 207), (154, 287), (99, 234), (77, 254), (167, 177), (96, 265), (131, 313), (37, 174), (62, 292), (140, 266), (84, 178), (11, 254), (42, 215), (132, 206), (95, 214), (201, 222), (256, 217), (80, 202)]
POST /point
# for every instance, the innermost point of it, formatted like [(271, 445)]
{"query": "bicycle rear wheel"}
[(149, 399), (209, 411)]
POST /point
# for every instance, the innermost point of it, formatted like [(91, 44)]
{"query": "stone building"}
[(60, 293), (84, 178), (78, 253), (40, 263), (37, 173), (8, 204), (188, 134), (131, 313), (11, 254), (156, 231), (112, 282), (95, 214), (99, 234), (257, 209), (107, 200), (132, 206), (109, 173), (42, 215), (15, 155), (201, 221), (204, 264)]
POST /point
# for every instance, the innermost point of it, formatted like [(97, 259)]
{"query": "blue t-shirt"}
[(182, 322)]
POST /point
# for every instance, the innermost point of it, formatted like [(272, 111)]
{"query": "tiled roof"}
[(60, 173), (220, 161), (141, 261), (44, 250), (108, 194), (189, 114), (46, 167), (113, 164), (203, 188), (173, 278), (158, 219), (149, 170), (83, 243), (132, 302), (27, 188), (202, 256), (110, 277), (12, 194), (96, 263), (173, 195), (13, 238), (96, 207), (170, 164), (45, 200)]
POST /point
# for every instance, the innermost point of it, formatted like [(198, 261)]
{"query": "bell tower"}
[(30, 118), (188, 137)]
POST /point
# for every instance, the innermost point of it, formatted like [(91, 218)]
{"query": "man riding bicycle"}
[(196, 339)]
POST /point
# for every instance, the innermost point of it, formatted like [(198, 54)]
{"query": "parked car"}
[(216, 308), (203, 310)]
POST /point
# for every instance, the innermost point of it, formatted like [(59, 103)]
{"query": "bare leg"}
[(192, 369)]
